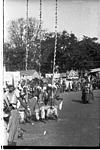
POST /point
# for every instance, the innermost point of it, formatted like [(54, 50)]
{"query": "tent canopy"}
[(28, 73), (95, 70)]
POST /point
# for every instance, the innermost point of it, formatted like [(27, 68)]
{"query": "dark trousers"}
[(84, 96)]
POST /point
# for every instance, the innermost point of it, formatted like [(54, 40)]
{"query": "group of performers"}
[(18, 108), (45, 103)]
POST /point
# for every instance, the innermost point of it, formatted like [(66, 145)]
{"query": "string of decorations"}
[(55, 48), (26, 67), (40, 37)]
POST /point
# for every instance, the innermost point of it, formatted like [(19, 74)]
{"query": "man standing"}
[(13, 125), (83, 87), (12, 97)]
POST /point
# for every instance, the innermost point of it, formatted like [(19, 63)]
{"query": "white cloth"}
[(22, 116), (13, 97), (44, 88), (71, 82), (42, 113), (52, 111), (6, 98), (17, 93), (37, 114), (18, 104), (60, 105), (67, 84), (5, 135)]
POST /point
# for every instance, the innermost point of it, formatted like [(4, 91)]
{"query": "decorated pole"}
[(4, 67), (26, 65), (3, 24), (40, 38), (55, 48)]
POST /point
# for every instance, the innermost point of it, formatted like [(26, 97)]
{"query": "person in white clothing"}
[(12, 96), (52, 112)]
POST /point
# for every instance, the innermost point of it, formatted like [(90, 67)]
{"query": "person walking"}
[(63, 86), (83, 88), (91, 90), (90, 95)]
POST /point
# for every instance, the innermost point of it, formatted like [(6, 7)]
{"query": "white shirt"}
[(16, 95)]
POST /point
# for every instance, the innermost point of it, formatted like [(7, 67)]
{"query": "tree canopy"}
[(71, 53)]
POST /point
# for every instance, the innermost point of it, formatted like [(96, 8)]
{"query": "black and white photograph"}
[(51, 73)]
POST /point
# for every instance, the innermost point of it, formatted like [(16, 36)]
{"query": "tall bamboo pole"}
[(4, 67), (40, 37), (3, 23), (26, 65), (55, 48)]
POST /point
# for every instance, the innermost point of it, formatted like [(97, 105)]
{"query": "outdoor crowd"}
[(37, 100)]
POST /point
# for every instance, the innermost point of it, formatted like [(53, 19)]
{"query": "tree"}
[(89, 53), (19, 37), (71, 53)]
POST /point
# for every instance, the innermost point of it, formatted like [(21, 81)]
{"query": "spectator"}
[(5, 123), (13, 124)]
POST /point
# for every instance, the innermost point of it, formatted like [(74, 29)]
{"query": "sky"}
[(82, 17)]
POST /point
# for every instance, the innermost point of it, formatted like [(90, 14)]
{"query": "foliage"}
[(71, 53), (20, 36)]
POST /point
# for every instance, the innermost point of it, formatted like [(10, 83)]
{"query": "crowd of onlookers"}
[(29, 100), (76, 84), (38, 100)]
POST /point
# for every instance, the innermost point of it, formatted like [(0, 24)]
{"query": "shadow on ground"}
[(77, 101)]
